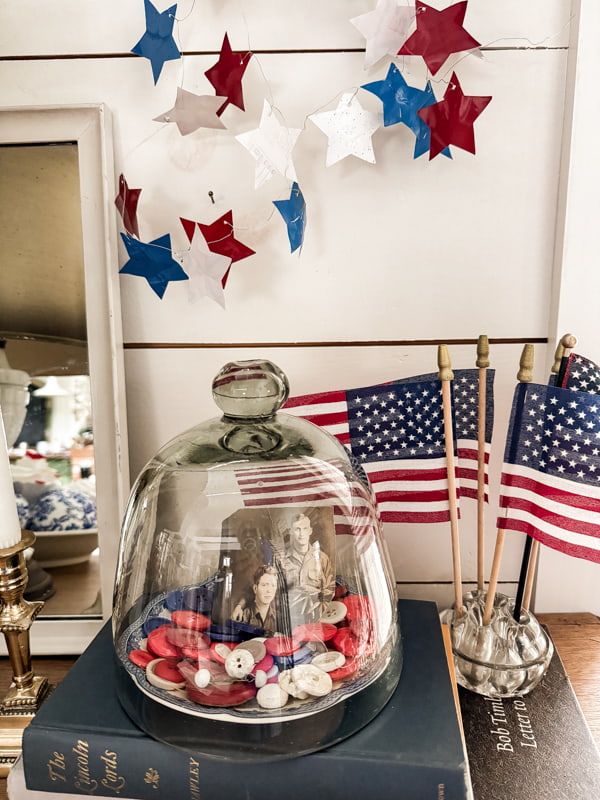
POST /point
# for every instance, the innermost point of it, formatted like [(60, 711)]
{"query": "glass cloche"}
[(255, 611)]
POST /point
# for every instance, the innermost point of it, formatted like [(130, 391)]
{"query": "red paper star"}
[(126, 203), (438, 34), (451, 120), (226, 75), (220, 239)]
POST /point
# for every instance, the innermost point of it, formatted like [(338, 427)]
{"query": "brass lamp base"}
[(27, 691)]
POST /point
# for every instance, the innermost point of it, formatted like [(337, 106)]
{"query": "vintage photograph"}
[(283, 569)]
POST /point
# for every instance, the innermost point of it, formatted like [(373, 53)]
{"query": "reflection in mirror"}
[(44, 382), (59, 293)]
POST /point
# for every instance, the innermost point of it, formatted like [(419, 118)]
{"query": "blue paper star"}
[(293, 212), (401, 103), (152, 261), (157, 44)]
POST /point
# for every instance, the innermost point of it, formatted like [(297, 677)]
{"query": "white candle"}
[(10, 529)]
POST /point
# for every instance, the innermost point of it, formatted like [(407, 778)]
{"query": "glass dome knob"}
[(254, 389)]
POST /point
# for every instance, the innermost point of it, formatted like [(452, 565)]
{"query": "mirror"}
[(60, 329)]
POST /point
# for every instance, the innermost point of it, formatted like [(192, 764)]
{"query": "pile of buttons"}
[(184, 654)]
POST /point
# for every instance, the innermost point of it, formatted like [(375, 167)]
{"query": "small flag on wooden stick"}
[(524, 376), (446, 376)]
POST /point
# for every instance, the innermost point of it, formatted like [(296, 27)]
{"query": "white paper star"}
[(349, 129), (192, 111), (205, 270), (385, 29), (271, 144)]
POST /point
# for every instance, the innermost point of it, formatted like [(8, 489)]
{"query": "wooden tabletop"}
[(576, 637)]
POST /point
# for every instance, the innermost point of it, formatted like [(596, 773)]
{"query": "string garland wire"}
[(406, 69)]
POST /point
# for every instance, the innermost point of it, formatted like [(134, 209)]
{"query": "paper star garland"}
[(438, 34), (401, 103), (451, 120), (271, 144), (226, 75), (193, 111), (349, 129), (152, 261), (219, 236), (385, 29), (126, 203), (205, 269), (293, 212), (157, 43)]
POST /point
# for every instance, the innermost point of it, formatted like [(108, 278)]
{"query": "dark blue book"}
[(82, 742)]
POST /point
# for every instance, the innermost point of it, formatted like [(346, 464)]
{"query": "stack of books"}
[(536, 746), (82, 742)]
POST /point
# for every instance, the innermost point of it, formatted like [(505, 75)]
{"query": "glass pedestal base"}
[(506, 658)]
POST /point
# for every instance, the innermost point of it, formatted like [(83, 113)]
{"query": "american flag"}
[(581, 375), (307, 482), (466, 416), (551, 471), (396, 432)]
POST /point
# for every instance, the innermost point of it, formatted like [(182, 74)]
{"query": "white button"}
[(289, 685), (334, 612), (260, 678), (329, 661), (202, 678), (271, 696), (156, 680), (239, 663), (312, 680)]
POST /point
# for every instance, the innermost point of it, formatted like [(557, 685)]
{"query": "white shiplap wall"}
[(401, 250)]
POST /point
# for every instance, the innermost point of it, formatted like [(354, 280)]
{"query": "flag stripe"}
[(304, 482), (553, 518), (552, 489), (551, 472), (399, 485), (428, 517), (323, 399), (533, 527)]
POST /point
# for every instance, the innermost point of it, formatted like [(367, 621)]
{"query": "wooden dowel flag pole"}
[(483, 362), (446, 375), (524, 375), (568, 342), (558, 356)]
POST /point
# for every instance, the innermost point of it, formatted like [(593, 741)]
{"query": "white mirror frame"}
[(89, 126)]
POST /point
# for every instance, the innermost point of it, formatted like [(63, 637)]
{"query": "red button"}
[(265, 664), (141, 657), (358, 606), (204, 654), (220, 650), (349, 668), (314, 632), (184, 637), (282, 645), (362, 628), (158, 643), (233, 694), (170, 673), (190, 619), (351, 645)]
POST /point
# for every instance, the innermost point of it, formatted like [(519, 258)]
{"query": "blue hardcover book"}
[(82, 742)]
